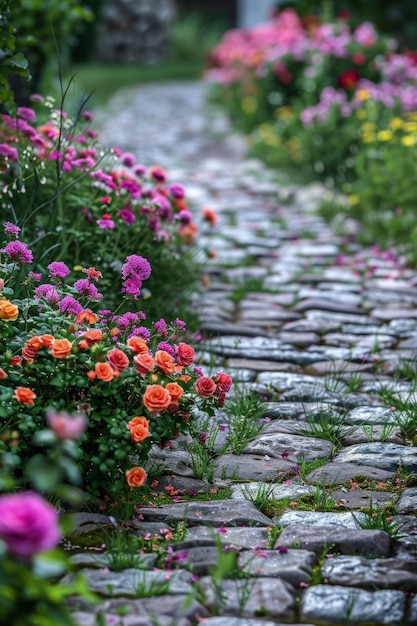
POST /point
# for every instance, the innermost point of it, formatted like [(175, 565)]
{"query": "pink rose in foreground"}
[(66, 426), (28, 524)]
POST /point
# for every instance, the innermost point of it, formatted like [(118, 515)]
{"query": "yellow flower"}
[(368, 127), (284, 113), (368, 138), (362, 94), (361, 114), (353, 198), (249, 104), (384, 135), (410, 127), (78, 268), (396, 123), (272, 140), (408, 141)]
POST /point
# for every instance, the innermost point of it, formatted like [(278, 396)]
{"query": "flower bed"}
[(81, 204), (133, 385), (334, 103)]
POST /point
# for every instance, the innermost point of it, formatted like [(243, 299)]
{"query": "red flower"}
[(348, 79)]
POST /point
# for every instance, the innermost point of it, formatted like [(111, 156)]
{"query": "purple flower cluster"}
[(47, 292), (134, 272), (85, 288), (18, 252), (70, 305), (11, 229), (58, 269)]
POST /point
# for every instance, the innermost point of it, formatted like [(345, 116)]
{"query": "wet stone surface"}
[(324, 334)]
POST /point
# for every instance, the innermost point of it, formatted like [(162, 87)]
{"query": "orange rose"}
[(138, 420), (139, 429), (35, 343), (8, 311), (136, 476), (144, 363), (29, 353), (184, 377), (24, 395), (165, 361), (185, 354), (137, 345), (61, 348), (205, 387), (93, 336), (175, 391), (86, 317), (46, 340), (188, 233), (118, 359), (156, 398), (210, 216), (104, 372)]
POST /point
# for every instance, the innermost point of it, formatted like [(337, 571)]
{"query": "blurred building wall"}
[(250, 12)]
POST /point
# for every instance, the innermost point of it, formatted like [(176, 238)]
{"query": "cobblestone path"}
[(325, 332)]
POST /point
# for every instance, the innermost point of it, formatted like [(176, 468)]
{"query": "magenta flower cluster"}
[(134, 272)]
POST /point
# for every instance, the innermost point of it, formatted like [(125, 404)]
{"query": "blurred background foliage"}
[(394, 17), (49, 33)]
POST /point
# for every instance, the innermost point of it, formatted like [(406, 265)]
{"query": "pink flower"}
[(8, 151), (58, 269), (28, 524), (18, 251), (128, 159), (66, 426), (105, 223)]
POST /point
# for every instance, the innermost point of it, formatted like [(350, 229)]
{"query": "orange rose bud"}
[(210, 216), (93, 336), (3, 374), (185, 378), (137, 345), (104, 372), (175, 391), (165, 361), (24, 395), (144, 363), (156, 398), (16, 360), (114, 332), (91, 375), (8, 311), (136, 477), (61, 348), (86, 317)]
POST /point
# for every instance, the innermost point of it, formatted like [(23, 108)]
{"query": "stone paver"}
[(319, 332)]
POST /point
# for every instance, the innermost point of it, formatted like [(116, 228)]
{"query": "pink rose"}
[(28, 524), (224, 382), (205, 387), (66, 426)]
